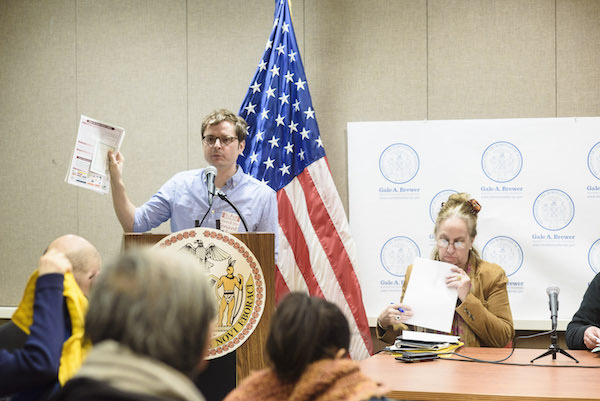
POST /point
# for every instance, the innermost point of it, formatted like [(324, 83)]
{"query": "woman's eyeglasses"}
[(444, 243)]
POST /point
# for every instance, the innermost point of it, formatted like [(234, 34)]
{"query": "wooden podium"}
[(249, 356)]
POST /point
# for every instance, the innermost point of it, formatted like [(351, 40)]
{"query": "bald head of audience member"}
[(84, 258)]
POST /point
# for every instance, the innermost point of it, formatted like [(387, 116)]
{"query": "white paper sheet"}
[(430, 337), (431, 301), (89, 164)]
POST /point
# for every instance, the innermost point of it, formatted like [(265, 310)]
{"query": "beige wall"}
[(156, 67)]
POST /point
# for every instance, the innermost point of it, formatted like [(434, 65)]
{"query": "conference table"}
[(441, 379)]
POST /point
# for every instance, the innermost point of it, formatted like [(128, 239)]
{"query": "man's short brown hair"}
[(218, 116)]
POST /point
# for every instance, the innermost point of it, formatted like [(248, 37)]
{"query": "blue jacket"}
[(36, 364)]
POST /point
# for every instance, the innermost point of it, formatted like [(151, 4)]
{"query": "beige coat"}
[(486, 310)]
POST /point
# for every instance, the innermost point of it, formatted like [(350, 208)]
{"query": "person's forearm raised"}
[(124, 208)]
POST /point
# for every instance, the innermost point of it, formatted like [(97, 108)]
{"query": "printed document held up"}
[(89, 164)]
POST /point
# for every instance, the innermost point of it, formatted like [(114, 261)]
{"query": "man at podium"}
[(185, 197)]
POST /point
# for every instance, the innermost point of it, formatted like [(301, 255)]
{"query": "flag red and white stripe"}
[(316, 251)]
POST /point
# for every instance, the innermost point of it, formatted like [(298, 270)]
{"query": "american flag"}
[(284, 149)]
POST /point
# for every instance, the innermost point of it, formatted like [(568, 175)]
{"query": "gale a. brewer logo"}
[(593, 160), (501, 161), (505, 252), (553, 209), (237, 280), (399, 163), (594, 256), (397, 253), (436, 202)]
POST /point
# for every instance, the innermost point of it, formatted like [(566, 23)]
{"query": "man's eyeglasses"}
[(224, 140), (443, 243)]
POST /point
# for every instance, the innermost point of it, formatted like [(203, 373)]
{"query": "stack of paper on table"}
[(428, 337), (424, 342)]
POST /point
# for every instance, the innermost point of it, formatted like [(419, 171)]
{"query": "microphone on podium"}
[(552, 292), (210, 173)]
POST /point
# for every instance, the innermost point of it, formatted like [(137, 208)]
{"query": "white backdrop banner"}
[(537, 180)]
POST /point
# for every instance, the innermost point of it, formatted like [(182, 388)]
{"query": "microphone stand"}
[(224, 197), (554, 348)]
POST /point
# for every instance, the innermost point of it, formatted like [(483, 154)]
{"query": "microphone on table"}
[(552, 292), (554, 348), (210, 172)]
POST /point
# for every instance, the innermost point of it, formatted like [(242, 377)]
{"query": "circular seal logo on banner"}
[(397, 253), (436, 202), (237, 280), (594, 256), (505, 252), (553, 209), (501, 161), (399, 163), (593, 160)]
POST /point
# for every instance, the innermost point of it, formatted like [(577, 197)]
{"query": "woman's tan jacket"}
[(485, 311)]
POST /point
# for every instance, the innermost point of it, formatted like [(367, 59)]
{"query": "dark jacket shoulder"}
[(95, 390)]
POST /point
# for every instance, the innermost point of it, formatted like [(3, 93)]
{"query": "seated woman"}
[(482, 315), (307, 347)]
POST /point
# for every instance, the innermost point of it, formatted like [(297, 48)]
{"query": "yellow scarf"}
[(76, 347)]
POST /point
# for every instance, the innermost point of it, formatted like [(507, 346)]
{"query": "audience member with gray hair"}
[(150, 319)]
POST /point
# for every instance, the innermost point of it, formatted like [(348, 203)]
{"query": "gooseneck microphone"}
[(210, 173), (552, 292), (226, 199)]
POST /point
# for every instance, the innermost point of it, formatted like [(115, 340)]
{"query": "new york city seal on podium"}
[(237, 280)]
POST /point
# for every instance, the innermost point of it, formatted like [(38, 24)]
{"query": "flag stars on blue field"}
[(284, 99), (250, 109), (310, 113), (279, 94), (289, 148), (269, 162), (292, 127), (285, 169), (301, 154), (279, 120)]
